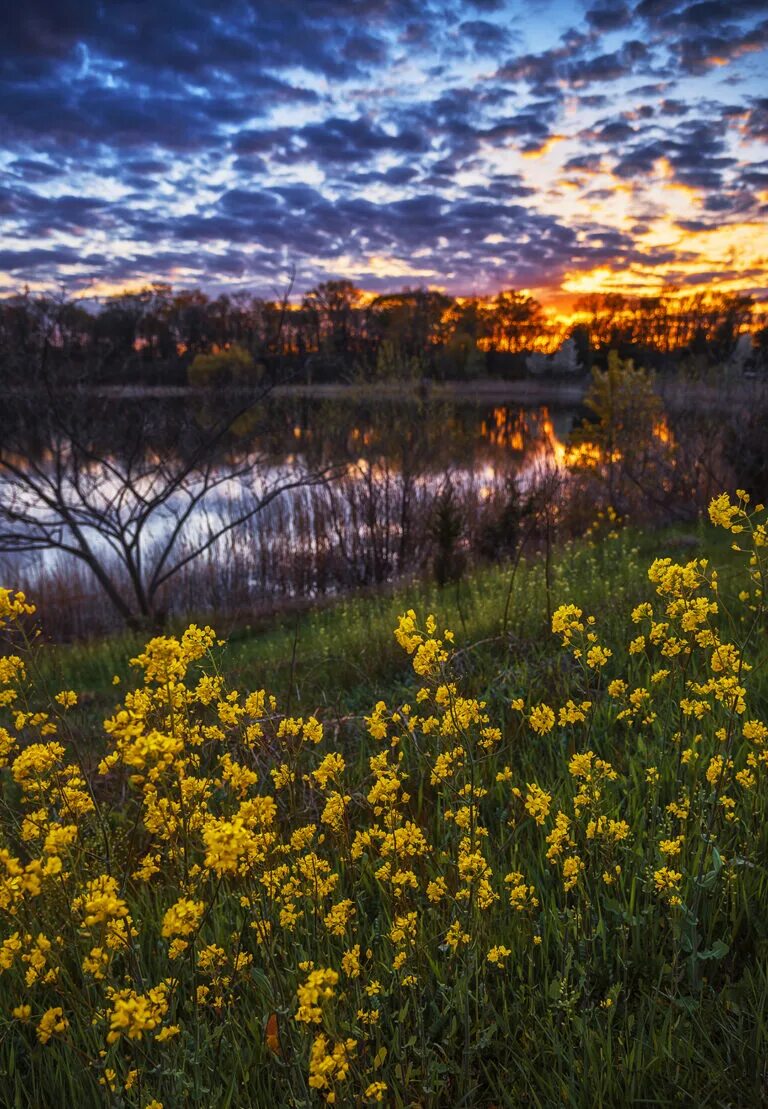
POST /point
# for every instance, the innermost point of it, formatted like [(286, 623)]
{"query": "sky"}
[(559, 147)]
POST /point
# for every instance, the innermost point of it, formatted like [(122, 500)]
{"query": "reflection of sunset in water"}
[(532, 434), (527, 431), (662, 432)]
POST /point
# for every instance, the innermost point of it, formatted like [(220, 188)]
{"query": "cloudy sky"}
[(558, 146)]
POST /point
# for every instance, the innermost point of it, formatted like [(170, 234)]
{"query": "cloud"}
[(485, 37), (213, 143), (699, 52), (673, 107), (756, 121), (338, 140), (28, 262), (609, 17)]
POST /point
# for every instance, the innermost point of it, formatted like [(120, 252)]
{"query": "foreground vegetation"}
[(532, 874)]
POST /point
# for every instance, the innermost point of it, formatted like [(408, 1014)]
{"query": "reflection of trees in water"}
[(410, 433), (134, 513), (162, 505), (326, 430), (368, 527), (377, 519), (645, 459)]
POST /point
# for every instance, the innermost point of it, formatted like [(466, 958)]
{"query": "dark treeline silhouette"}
[(337, 332)]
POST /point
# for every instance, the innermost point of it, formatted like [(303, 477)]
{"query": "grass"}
[(342, 654), (643, 982)]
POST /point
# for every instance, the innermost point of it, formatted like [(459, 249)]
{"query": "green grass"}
[(341, 653), (624, 1002)]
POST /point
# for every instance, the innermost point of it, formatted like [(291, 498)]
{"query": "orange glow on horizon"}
[(738, 251)]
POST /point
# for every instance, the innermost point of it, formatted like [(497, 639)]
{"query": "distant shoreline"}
[(675, 391), (482, 391)]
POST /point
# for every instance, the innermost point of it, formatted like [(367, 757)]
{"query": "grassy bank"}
[(341, 653), (524, 865)]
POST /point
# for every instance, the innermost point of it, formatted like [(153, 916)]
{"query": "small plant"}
[(446, 529)]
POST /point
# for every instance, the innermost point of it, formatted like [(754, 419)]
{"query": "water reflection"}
[(393, 463)]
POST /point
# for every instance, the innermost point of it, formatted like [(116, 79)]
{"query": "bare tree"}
[(137, 490)]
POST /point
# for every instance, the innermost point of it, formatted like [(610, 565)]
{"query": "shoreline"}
[(482, 390), (674, 391)]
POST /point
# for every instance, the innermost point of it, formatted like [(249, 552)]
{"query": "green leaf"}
[(708, 881), (687, 942), (717, 951)]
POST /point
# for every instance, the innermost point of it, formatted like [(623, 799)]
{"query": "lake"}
[(383, 469)]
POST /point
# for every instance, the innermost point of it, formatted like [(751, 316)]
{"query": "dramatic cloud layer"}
[(467, 145)]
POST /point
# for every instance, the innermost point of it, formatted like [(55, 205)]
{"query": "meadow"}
[(519, 862)]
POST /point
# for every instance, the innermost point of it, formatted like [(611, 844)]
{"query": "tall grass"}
[(370, 527), (532, 873)]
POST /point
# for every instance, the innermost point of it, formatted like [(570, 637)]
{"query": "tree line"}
[(336, 330)]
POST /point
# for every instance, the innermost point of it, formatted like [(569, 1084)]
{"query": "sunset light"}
[(572, 150), (383, 554)]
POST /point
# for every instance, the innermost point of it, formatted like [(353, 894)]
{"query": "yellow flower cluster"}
[(317, 989), (225, 858), (133, 1014)]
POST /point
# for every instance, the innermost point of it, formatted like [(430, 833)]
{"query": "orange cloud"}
[(544, 149)]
